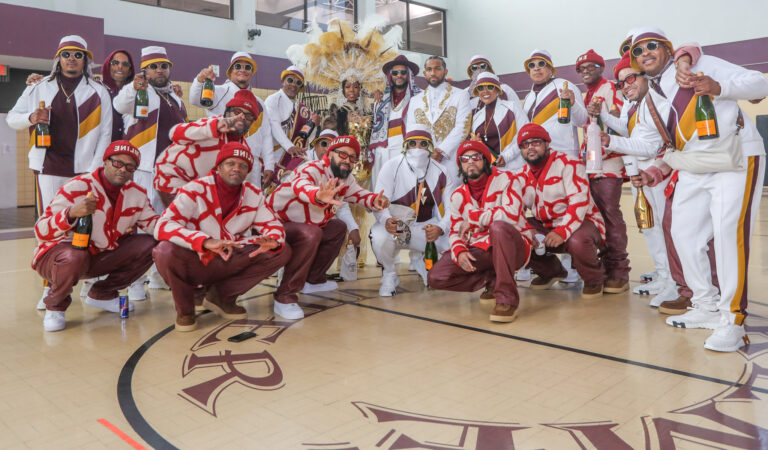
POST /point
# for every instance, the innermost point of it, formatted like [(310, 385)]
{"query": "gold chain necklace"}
[(65, 92), (442, 102)]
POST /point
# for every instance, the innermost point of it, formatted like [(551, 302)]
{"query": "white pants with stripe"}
[(654, 237), (47, 187), (722, 206), (144, 179), (386, 248)]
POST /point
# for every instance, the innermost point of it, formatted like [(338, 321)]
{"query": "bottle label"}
[(563, 113), (80, 240), (706, 127), (142, 111), (208, 94), (43, 140), (428, 263)]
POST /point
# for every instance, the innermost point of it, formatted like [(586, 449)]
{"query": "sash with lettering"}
[(292, 126)]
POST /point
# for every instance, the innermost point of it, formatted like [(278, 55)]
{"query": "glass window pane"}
[(287, 14), (325, 10), (214, 8), (394, 10), (427, 30)]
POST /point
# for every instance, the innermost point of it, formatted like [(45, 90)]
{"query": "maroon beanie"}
[(532, 131), (590, 56), (473, 145)]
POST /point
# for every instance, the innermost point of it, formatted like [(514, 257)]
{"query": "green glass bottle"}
[(42, 133), (141, 103), (564, 111), (706, 120), (81, 238), (430, 255), (206, 96)]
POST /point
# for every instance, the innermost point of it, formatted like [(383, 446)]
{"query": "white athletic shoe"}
[(652, 287), (136, 292), (156, 281), (290, 311), (280, 274), (668, 294), (87, 283), (649, 276), (389, 283), (321, 287), (41, 303), (421, 269), (696, 317), (727, 338), (107, 305), (572, 277), (54, 321), (523, 275)]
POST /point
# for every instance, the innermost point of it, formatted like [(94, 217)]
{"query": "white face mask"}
[(418, 160)]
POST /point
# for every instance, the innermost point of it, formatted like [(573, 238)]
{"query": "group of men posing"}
[(497, 184)]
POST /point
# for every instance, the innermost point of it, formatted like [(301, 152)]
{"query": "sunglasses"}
[(116, 63), (77, 55), (625, 49), (481, 66), (295, 81), (530, 142), (482, 87), (324, 143), (130, 168), (346, 156), (631, 78), (474, 157), (650, 46), (535, 64), (399, 72), (239, 66), (163, 66), (413, 143), (585, 67)]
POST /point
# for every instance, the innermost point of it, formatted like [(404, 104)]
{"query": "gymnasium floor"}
[(423, 369)]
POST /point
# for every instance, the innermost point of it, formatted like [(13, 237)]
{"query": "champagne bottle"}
[(42, 133), (594, 147), (706, 120), (206, 96), (430, 255), (643, 211), (141, 103), (564, 111), (307, 130), (81, 239)]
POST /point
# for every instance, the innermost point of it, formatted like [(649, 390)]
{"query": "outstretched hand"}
[(327, 192), (265, 244), (221, 247), (381, 201)]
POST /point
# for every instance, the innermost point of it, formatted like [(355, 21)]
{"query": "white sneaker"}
[(54, 321), (389, 283), (649, 276), (107, 305), (727, 338), (41, 303), (667, 294), (156, 281), (572, 277), (136, 291), (652, 287), (413, 260), (421, 269), (321, 287), (87, 283), (523, 275), (280, 274), (290, 311), (696, 317)]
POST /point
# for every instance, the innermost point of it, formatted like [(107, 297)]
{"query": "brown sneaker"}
[(186, 323), (545, 283), (199, 297), (592, 290), (503, 312), (615, 286), (229, 311), (675, 307), (487, 297)]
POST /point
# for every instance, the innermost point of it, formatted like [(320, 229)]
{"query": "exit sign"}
[(3, 70)]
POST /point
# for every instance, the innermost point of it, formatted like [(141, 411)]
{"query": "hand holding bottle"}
[(206, 74), (140, 81), (84, 206), (40, 115)]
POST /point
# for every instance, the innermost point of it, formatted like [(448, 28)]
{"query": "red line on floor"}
[(122, 435)]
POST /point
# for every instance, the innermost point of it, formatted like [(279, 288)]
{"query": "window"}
[(295, 14), (215, 8), (423, 26)]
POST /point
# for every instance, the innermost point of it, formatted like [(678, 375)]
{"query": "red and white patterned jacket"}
[(110, 222), (501, 201), (191, 155), (560, 198), (294, 200), (195, 215)]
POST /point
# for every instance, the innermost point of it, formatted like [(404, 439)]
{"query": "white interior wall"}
[(8, 194)]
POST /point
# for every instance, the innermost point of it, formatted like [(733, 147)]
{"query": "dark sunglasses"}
[(163, 66), (399, 72), (130, 168), (116, 63), (295, 81), (324, 143), (650, 46), (528, 143), (345, 156), (474, 157), (239, 66), (481, 66), (535, 64), (629, 80), (482, 87), (418, 142), (77, 55), (585, 67), (625, 49)]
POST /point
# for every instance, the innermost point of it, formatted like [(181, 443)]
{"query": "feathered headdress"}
[(343, 54)]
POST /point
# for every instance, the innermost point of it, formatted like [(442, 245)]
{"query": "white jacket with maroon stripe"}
[(110, 222), (294, 200), (195, 215), (560, 198), (501, 202), (191, 155)]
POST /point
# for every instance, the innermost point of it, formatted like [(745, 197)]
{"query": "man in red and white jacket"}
[(490, 238), (218, 232), (117, 206), (195, 145), (557, 192), (306, 203), (606, 187)]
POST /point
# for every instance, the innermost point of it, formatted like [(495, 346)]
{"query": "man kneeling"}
[(117, 206), (216, 216), (490, 238)]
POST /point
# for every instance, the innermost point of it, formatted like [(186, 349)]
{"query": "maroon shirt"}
[(490, 135), (168, 116), (60, 157)]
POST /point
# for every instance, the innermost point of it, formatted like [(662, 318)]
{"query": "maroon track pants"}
[(583, 246), (606, 192)]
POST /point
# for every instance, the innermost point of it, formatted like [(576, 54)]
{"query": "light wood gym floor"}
[(423, 369)]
